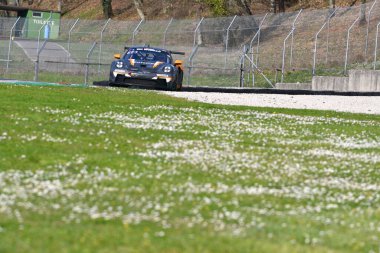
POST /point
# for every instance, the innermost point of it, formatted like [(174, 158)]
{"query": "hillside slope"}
[(164, 9)]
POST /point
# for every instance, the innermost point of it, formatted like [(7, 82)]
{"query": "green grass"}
[(115, 170)]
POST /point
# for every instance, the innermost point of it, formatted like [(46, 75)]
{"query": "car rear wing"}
[(174, 52)]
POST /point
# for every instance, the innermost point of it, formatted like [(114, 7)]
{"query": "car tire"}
[(179, 80), (176, 85)]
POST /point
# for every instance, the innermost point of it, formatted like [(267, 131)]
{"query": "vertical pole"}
[(39, 31), (258, 39), (283, 56), (316, 41), (291, 50), (348, 45), (196, 30), (284, 46), (315, 54), (69, 39), (376, 41), (327, 41), (257, 35), (291, 45), (227, 38), (193, 53), (101, 42), (166, 31), (88, 62), (257, 48), (10, 43), (37, 62), (242, 60), (136, 31), (368, 22)]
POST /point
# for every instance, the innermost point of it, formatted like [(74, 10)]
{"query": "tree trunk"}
[(138, 6), (362, 12), (107, 8), (332, 4), (273, 6), (59, 5), (246, 7), (4, 13), (281, 5)]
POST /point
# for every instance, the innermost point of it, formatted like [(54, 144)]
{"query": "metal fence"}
[(250, 51)]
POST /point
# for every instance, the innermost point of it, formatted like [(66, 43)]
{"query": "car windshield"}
[(147, 55)]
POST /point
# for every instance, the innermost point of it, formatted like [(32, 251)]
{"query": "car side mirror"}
[(117, 56)]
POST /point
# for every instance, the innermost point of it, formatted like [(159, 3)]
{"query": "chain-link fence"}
[(250, 51)]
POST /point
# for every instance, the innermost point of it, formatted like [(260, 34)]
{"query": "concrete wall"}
[(357, 80), (293, 86), (333, 83), (364, 80)]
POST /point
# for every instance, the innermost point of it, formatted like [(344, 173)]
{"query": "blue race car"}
[(147, 66)]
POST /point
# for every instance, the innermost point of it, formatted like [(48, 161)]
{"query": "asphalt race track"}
[(255, 90)]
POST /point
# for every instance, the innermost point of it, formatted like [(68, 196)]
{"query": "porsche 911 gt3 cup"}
[(147, 66)]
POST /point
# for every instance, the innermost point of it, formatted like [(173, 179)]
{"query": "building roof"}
[(20, 8)]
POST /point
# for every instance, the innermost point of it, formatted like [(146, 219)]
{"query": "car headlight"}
[(119, 64), (167, 69)]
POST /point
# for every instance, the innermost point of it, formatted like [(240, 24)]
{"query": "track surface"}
[(258, 91), (52, 51)]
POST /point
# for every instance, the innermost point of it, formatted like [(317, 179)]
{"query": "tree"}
[(362, 12), (107, 8), (281, 5), (332, 4), (138, 6), (245, 6), (4, 13), (273, 6)]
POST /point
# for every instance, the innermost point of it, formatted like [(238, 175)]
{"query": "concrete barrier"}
[(333, 83), (364, 80), (293, 86)]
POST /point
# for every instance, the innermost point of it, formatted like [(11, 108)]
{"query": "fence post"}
[(242, 65), (348, 44), (196, 30), (291, 45), (259, 70), (284, 46), (39, 31), (37, 62), (101, 42), (368, 22), (316, 40), (227, 38), (69, 39), (136, 31), (193, 53), (10, 43), (257, 34), (328, 38), (375, 54), (166, 31), (88, 61), (258, 40)]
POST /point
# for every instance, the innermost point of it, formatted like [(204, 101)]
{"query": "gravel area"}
[(367, 105)]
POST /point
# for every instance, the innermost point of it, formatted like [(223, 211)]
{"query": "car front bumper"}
[(119, 76)]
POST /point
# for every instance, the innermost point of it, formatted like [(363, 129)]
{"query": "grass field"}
[(116, 170)]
